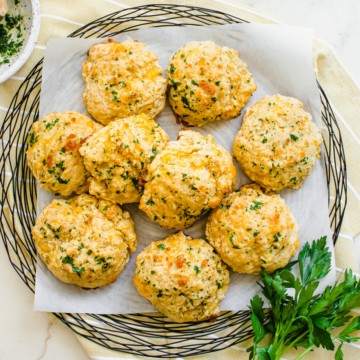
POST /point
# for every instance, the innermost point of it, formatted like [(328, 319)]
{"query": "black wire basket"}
[(148, 335)]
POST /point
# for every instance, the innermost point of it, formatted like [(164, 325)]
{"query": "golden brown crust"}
[(182, 277), (253, 230), (118, 155), (84, 241), (53, 153), (208, 83), (187, 178), (278, 143), (121, 80)]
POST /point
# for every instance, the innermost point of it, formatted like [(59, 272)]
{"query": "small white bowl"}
[(30, 11)]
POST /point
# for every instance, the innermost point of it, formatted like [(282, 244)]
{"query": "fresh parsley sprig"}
[(297, 316)]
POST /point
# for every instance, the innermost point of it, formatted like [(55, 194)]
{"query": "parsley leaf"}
[(256, 205), (161, 246), (257, 318), (314, 262)]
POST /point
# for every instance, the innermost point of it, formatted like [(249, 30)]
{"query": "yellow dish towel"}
[(61, 17)]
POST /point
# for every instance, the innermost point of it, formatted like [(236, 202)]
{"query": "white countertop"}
[(29, 335)]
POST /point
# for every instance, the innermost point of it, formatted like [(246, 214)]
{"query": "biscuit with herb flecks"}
[(84, 241), (117, 156), (53, 153), (278, 143), (187, 178), (253, 230), (208, 83), (182, 277), (122, 79)]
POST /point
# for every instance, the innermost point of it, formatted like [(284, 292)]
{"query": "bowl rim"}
[(30, 44)]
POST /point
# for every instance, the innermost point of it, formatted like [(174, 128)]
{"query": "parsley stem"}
[(281, 334), (294, 342), (285, 331), (310, 348)]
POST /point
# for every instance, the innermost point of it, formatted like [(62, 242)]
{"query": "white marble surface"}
[(28, 335)]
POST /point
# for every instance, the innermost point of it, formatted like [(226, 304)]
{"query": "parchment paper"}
[(280, 59)]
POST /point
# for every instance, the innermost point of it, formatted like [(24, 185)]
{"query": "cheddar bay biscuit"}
[(186, 179), (253, 230), (118, 154), (84, 241), (208, 83), (182, 277), (53, 153), (278, 143), (121, 80)]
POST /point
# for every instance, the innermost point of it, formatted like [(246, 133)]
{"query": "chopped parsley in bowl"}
[(19, 29)]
